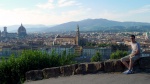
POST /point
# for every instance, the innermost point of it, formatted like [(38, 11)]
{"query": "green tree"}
[(118, 54), (13, 69), (97, 57)]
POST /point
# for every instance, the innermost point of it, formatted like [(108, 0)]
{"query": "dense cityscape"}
[(84, 44)]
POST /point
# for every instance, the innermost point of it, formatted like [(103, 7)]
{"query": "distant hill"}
[(85, 25), (100, 25)]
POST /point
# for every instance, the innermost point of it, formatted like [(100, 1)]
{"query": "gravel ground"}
[(100, 78)]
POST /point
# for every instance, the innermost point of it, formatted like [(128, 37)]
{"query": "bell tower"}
[(77, 36)]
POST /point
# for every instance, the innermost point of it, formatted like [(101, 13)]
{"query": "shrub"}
[(97, 57), (118, 54), (12, 70)]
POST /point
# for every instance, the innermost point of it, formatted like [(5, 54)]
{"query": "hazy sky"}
[(50, 12)]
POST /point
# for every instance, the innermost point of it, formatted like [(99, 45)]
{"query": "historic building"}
[(147, 36), (5, 34), (68, 40), (22, 31)]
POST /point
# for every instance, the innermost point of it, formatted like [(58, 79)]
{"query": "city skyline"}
[(52, 12)]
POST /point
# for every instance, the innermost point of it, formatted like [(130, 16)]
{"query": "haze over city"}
[(51, 12)]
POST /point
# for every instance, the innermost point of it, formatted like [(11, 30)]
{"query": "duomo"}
[(20, 34)]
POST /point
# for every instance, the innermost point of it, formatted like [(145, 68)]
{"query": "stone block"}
[(109, 66), (113, 66), (66, 70), (94, 67), (51, 72), (91, 68), (118, 66), (34, 75), (81, 69), (99, 66), (74, 67), (144, 63)]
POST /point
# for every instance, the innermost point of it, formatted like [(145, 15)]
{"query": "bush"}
[(118, 54), (12, 70), (97, 57)]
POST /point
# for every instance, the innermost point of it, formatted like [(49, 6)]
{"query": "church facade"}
[(68, 40)]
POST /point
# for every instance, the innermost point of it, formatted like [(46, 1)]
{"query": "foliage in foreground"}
[(97, 57), (118, 54), (12, 70)]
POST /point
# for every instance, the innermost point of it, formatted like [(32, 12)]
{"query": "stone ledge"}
[(85, 68)]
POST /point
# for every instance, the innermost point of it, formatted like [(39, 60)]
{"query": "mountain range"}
[(101, 25), (86, 25)]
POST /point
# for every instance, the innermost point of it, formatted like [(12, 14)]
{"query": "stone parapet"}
[(84, 68)]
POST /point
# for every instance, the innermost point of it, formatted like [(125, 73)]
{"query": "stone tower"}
[(5, 32), (77, 36)]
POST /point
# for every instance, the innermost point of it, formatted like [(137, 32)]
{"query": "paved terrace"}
[(99, 78)]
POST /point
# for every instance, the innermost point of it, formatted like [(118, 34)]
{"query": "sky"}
[(52, 12)]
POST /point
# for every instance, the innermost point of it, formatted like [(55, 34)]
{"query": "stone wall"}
[(85, 68)]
